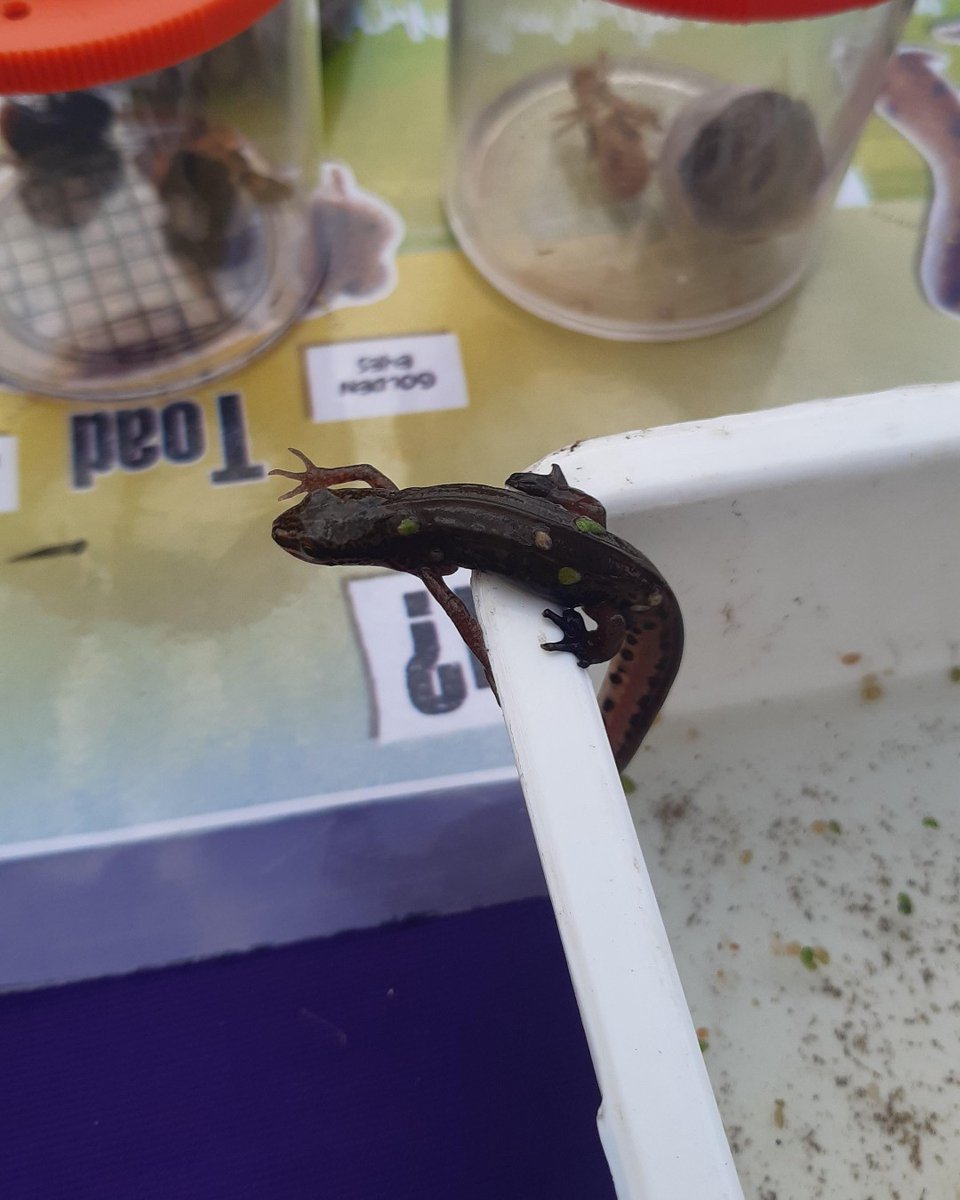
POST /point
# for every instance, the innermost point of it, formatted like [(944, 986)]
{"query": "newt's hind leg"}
[(589, 645), (467, 625)]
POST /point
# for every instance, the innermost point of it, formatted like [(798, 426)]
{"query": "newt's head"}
[(345, 525), (288, 533)]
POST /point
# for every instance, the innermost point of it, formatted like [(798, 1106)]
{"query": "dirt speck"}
[(871, 689), (905, 1124), (672, 809), (851, 658), (730, 622)]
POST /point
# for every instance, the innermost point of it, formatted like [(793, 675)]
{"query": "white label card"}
[(384, 377), (424, 680), (9, 475)]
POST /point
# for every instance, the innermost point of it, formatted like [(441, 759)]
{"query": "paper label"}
[(423, 679), (384, 377)]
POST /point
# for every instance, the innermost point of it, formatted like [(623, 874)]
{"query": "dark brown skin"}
[(537, 531)]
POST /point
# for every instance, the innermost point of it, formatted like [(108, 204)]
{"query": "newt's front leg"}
[(315, 479), (466, 624), (553, 486)]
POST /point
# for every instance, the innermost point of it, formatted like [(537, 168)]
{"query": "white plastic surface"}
[(816, 554), (659, 1123)]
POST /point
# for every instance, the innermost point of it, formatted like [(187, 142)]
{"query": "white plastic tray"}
[(799, 794)]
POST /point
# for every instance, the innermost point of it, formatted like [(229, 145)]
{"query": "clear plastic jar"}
[(157, 165), (645, 175)]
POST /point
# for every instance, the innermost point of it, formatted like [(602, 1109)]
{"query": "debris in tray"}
[(810, 956), (903, 1123), (858, 1065), (871, 689)]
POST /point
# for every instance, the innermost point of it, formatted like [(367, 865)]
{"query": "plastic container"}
[(796, 805), (654, 172), (157, 161)]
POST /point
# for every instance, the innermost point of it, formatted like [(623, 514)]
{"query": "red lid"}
[(744, 11), (60, 45)]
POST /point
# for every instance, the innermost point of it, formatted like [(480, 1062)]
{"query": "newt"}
[(538, 531)]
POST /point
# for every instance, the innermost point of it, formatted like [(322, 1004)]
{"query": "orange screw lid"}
[(61, 45)]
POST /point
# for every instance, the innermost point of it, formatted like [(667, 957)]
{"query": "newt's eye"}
[(288, 539)]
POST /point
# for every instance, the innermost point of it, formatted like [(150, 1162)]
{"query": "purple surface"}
[(122, 906), (441, 1058)]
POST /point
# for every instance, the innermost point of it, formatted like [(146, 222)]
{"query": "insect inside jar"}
[(615, 129)]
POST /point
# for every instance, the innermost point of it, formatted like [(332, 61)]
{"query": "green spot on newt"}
[(808, 957), (930, 822), (586, 525), (904, 904), (407, 526), (568, 575)]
